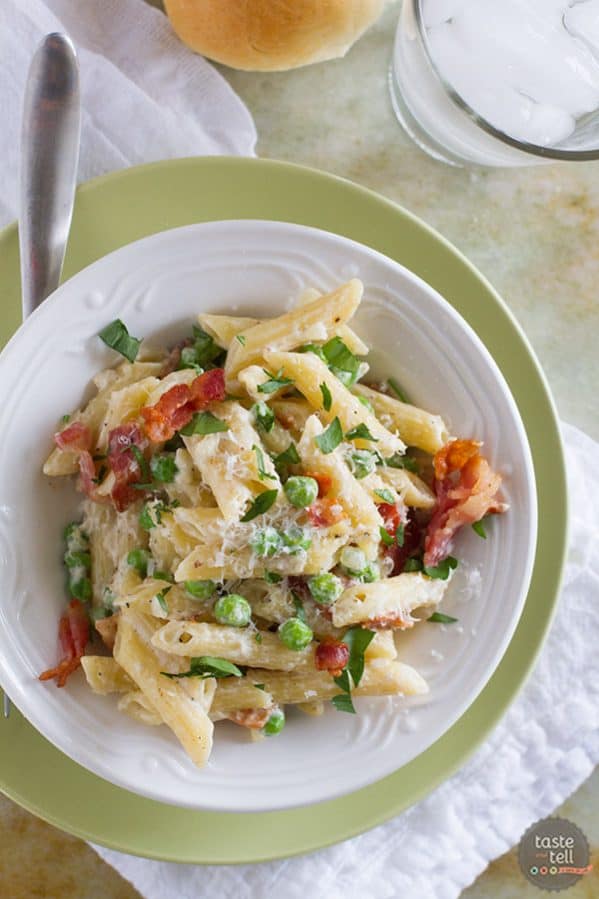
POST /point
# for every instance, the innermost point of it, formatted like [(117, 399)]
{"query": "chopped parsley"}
[(290, 456), (341, 361), (117, 337), (386, 537), (343, 703), (265, 417), (271, 577), (161, 597), (151, 514), (357, 639), (479, 528), (386, 496), (412, 565), (326, 397), (261, 504), (240, 338), (331, 438), (208, 666), (274, 382), (204, 423), (396, 389), (441, 618), (400, 533), (442, 570), (360, 432), (399, 461), (298, 606), (262, 473)]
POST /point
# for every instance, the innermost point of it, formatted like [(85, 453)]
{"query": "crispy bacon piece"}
[(412, 536), (391, 516), (76, 438), (390, 621), (159, 417), (73, 634), (466, 488), (332, 656), (176, 407), (207, 388), (124, 464), (324, 481), (87, 474), (325, 512), (453, 456), (255, 719), (107, 628)]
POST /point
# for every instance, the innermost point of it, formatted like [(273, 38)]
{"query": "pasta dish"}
[(258, 519)]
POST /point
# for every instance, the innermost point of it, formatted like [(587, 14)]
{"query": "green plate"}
[(120, 208)]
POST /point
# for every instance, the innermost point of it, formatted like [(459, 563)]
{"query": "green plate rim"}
[(228, 838)]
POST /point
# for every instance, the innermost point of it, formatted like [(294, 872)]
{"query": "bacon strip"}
[(466, 488), (73, 634), (332, 656), (124, 463), (176, 407), (76, 438)]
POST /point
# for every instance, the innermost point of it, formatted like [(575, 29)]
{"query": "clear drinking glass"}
[(525, 46)]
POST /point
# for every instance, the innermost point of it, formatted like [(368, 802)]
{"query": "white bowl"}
[(157, 286)]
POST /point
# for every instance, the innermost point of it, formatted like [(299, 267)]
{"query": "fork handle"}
[(49, 155)]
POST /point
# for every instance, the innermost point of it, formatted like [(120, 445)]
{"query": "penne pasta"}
[(388, 603), (186, 716), (415, 426), (240, 645), (243, 543), (314, 321), (308, 373)]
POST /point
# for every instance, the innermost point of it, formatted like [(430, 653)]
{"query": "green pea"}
[(200, 589), (266, 542), (81, 589), (295, 634), (301, 491), (233, 610), (353, 560), (77, 559), (362, 463), (163, 467), (138, 559), (295, 539), (75, 537), (370, 573), (275, 723), (325, 588)]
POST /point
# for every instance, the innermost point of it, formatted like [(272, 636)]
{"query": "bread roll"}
[(271, 35)]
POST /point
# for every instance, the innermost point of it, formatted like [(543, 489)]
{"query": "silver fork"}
[(49, 154)]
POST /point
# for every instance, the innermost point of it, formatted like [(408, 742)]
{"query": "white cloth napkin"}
[(144, 95), (543, 749)]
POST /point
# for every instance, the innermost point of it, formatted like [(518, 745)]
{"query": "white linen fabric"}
[(146, 97), (542, 750)]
